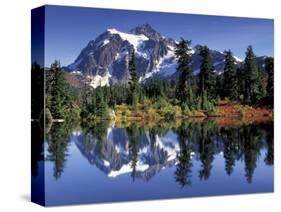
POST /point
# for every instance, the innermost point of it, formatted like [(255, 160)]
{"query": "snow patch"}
[(76, 133), (105, 42), (117, 148), (192, 51), (120, 55), (197, 71), (171, 149), (96, 81), (106, 163), (135, 40), (109, 133), (192, 154), (121, 150), (76, 73), (127, 168), (166, 65), (237, 59)]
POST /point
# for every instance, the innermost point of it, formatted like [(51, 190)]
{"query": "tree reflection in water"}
[(184, 167), (58, 138), (111, 148)]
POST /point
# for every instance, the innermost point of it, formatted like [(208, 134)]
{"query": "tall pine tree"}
[(269, 69), (134, 82), (252, 92), (207, 79), (241, 82), (101, 106), (230, 83), (219, 86), (57, 96), (184, 90)]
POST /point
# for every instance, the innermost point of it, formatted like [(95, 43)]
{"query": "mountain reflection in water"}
[(154, 160), (143, 151)]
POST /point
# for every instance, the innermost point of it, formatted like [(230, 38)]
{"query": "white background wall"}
[(15, 103)]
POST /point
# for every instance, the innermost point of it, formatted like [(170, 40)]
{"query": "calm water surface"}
[(106, 162)]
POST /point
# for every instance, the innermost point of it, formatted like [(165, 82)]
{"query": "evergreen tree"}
[(134, 82), (269, 69), (183, 55), (57, 96), (219, 86), (101, 106), (241, 83), (252, 93), (230, 82), (207, 80), (262, 84), (118, 94), (155, 88), (206, 104), (85, 99), (94, 105)]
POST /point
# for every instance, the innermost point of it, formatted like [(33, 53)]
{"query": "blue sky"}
[(69, 29)]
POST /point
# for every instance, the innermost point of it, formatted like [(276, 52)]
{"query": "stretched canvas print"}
[(135, 105)]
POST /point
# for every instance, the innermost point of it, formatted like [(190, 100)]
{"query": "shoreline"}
[(226, 112)]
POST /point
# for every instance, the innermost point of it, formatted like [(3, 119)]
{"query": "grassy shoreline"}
[(222, 110), (225, 112)]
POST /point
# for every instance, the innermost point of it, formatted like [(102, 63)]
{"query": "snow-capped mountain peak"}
[(135, 40), (104, 61), (148, 31)]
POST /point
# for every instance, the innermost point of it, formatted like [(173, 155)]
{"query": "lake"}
[(109, 162)]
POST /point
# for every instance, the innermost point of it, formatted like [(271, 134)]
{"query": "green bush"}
[(160, 103)]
